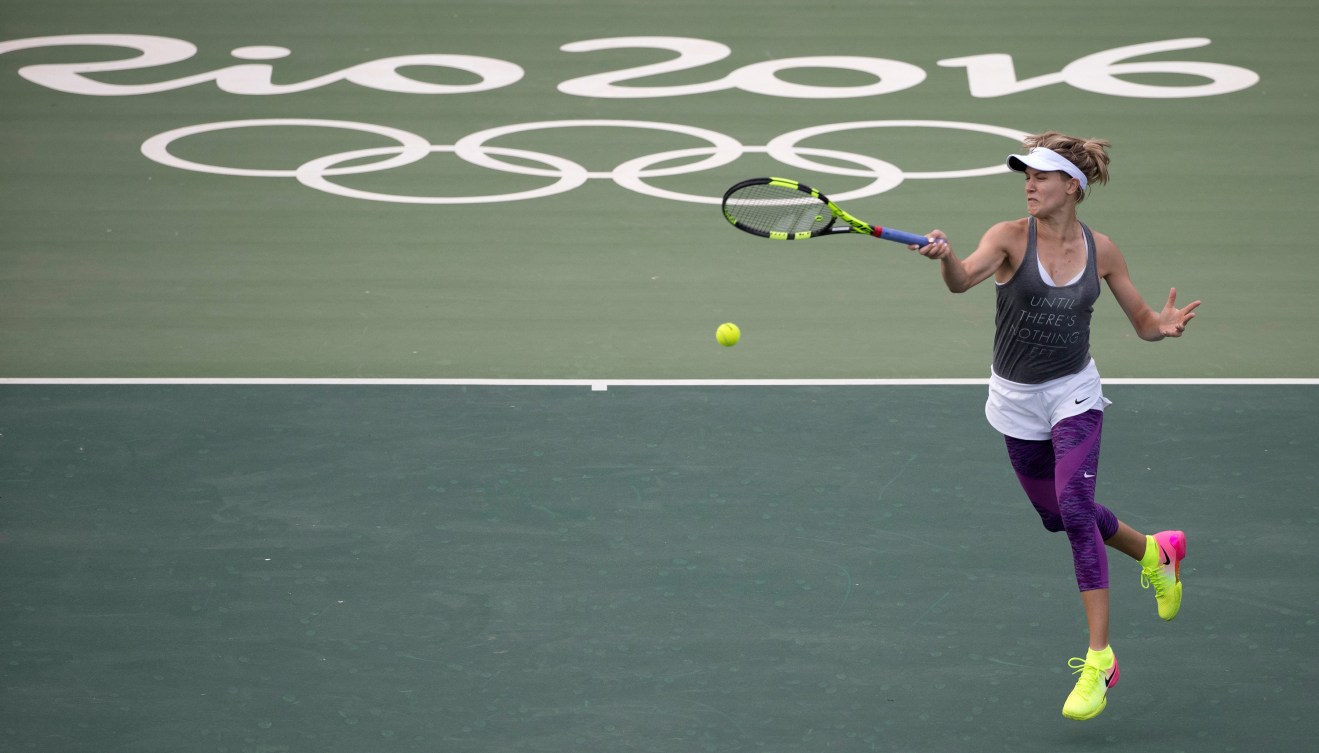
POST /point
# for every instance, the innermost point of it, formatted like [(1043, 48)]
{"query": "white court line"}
[(601, 385)]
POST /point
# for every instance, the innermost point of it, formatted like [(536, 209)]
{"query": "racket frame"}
[(850, 224)]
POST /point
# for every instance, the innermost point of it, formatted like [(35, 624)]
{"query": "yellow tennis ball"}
[(728, 334)]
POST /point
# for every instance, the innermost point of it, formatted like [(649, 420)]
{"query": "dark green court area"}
[(497, 569)]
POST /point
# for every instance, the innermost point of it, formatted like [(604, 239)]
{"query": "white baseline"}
[(601, 385)]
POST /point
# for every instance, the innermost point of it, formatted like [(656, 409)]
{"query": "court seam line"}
[(601, 385)]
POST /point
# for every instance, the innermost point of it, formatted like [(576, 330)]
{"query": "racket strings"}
[(777, 209)]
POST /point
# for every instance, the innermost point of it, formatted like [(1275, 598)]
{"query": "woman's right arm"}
[(960, 275)]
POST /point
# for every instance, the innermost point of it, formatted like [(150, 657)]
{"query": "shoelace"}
[(1155, 577), (1091, 681)]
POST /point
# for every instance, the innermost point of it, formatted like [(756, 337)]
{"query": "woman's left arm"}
[(1149, 324)]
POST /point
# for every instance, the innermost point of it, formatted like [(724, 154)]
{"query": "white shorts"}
[(1029, 411)]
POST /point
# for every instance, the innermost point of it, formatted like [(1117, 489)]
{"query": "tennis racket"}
[(785, 210)]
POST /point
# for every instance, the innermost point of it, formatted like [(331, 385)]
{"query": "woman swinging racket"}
[(1045, 394)]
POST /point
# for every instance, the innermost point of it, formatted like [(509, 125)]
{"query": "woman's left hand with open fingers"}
[(1173, 320)]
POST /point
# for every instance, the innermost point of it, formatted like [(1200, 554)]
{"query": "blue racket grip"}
[(911, 239)]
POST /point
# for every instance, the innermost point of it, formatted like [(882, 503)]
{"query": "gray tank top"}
[(1042, 331)]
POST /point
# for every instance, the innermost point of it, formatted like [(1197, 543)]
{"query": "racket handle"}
[(898, 236)]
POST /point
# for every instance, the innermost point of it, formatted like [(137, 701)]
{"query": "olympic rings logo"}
[(566, 174)]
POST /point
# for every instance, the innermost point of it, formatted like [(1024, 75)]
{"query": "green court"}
[(359, 389)]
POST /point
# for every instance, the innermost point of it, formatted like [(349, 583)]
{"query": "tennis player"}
[(1044, 391)]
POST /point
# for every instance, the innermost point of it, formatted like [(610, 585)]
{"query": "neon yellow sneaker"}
[(1161, 567), (1098, 672)]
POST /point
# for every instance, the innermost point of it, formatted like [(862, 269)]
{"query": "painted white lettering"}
[(988, 75), (67, 77), (692, 53), (994, 75), (893, 75), (759, 78), (383, 75), (248, 79)]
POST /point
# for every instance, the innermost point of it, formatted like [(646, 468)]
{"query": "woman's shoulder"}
[(1010, 233), (1103, 243), (1107, 254)]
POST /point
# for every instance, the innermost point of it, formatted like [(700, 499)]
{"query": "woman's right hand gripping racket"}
[(785, 210)]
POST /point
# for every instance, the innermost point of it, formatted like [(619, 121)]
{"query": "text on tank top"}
[(1042, 331)]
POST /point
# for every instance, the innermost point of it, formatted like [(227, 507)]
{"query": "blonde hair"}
[(1089, 155)]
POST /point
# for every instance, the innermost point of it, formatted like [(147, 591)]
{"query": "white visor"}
[(1048, 161)]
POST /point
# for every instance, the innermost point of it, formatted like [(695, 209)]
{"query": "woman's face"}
[(1049, 192)]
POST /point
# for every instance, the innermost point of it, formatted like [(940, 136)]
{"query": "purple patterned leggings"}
[(1058, 475)]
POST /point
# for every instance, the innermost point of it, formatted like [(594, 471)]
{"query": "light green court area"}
[(114, 265)]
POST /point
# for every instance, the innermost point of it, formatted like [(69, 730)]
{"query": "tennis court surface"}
[(359, 390)]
